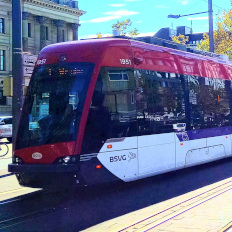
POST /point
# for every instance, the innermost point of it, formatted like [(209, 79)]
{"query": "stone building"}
[(43, 22)]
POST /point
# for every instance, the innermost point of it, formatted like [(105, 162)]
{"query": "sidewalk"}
[(4, 166), (203, 210), (10, 188)]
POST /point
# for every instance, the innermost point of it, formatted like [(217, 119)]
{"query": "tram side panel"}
[(223, 141), (156, 153), (158, 99), (182, 149), (160, 107), (120, 157)]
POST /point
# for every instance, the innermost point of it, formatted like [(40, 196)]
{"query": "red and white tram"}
[(119, 109)]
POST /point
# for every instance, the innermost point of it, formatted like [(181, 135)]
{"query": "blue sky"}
[(148, 16)]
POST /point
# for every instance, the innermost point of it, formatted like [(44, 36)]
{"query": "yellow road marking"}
[(224, 229), (13, 191)]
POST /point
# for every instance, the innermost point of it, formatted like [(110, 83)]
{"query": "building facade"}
[(43, 22)]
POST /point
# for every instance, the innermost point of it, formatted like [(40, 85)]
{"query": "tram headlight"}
[(17, 160), (67, 160)]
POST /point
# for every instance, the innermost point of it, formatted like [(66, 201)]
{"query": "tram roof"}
[(101, 44)]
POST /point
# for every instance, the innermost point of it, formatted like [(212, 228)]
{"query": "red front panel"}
[(49, 152)]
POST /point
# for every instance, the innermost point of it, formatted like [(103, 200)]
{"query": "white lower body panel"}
[(156, 159), (123, 164), (140, 157)]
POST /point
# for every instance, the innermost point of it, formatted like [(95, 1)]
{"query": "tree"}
[(99, 35), (204, 44), (124, 28), (222, 35), (180, 39), (134, 33)]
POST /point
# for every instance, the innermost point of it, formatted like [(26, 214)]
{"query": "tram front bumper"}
[(43, 168), (47, 176), (61, 175)]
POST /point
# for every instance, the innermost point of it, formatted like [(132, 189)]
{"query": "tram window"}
[(194, 96), (113, 110), (209, 102), (160, 103), (215, 102)]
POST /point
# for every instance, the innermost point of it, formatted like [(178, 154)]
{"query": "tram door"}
[(111, 129), (160, 106)]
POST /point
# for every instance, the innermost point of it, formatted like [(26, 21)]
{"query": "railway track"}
[(152, 222), (13, 220), (51, 202)]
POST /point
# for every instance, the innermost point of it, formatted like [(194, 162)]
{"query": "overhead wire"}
[(191, 7), (196, 4), (215, 5)]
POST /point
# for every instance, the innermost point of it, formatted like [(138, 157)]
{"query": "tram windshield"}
[(54, 103)]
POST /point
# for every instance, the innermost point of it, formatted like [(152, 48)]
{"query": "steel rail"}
[(6, 223), (222, 188)]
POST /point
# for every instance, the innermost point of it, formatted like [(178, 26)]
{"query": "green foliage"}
[(180, 39), (204, 44), (134, 33), (222, 35)]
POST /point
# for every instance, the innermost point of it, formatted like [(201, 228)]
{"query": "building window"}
[(63, 36), (46, 33), (29, 30), (132, 97), (2, 60), (2, 28)]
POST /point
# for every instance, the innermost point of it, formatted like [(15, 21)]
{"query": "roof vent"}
[(116, 33)]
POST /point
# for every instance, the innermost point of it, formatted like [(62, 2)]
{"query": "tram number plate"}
[(125, 61)]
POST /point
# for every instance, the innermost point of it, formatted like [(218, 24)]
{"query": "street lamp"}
[(178, 16), (210, 12), (17, 70)]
